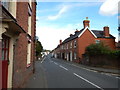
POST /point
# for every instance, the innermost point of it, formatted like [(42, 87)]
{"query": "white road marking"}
[(118, 77), (43, 59), (106, 74), (83, 68), (88, 81), (63, 67), (55, 63), (51, 61)]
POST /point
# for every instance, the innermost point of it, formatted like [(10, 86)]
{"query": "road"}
[(62, 74)]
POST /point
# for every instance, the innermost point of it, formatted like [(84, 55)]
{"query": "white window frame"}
[(70, 44), (75, 55), (75, 44), (67, 46), (6, 4), (97, 41)]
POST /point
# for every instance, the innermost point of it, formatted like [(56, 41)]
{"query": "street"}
[(62, 74)]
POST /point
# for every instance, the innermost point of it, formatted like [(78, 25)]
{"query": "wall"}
[(83, 41), (110, 42), (21, 73)]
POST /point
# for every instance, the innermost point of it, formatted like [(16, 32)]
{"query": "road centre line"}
[(63, 67), (88, 81), (43, 59)]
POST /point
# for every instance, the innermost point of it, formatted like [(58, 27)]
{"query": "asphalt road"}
[(62, 74)]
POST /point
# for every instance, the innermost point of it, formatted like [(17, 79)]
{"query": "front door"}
[(5, 59)]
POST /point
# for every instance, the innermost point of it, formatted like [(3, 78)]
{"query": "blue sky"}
[(56, 20)]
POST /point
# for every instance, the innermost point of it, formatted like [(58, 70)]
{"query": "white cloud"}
[(70, 0), (50, 35), (62, 10), (109, 7)]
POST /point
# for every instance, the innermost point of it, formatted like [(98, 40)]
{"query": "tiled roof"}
[(72, 36), (98, 33)]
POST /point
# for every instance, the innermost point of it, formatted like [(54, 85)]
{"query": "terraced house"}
[(73, 48), (17, 42)]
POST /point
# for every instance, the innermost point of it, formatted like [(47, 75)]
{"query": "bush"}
[(97, 49), (100, 50)]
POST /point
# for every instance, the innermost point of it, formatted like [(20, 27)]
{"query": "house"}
[(73, 48), (17, 42)]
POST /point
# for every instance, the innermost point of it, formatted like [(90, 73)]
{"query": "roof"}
[(100, 34), (97, 33), (72, 36)]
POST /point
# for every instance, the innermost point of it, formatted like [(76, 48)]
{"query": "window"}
[(5, 3), (75, 44), (71, 45), (62, 47), (29, 10), (29, 54), (97, 41), (67, 46), (75, 55), (5, 48)]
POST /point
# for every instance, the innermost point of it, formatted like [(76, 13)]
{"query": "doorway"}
[(5, 60)]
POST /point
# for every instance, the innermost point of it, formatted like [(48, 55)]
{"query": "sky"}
[(58, 19)]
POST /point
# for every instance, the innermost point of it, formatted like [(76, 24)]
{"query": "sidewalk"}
[(37, 80), (98, 69)]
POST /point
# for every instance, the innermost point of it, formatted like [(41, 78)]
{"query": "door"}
[(5, 59)]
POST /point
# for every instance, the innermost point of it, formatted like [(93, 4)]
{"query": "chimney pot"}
[(71, 35), (60, 42), (76, 31), (86, 23)]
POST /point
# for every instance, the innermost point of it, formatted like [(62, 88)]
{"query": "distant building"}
[(17, 42), (73, 48)]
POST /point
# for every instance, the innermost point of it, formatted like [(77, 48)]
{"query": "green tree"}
[(39, 48)]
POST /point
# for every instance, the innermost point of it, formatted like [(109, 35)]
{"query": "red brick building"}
[(73, 48), (17, 42)]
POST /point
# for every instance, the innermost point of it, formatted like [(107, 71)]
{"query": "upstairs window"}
[(75, 44), (29, 10), (5, 3), (71, 45), (97, 41), (67, 46)]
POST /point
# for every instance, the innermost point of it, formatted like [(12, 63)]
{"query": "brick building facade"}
[(73, 48), (17, 42)]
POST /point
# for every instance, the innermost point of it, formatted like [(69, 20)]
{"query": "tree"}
[(39, 48)]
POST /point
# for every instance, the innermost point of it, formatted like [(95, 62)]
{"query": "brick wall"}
[(20, 72), (85, 40)]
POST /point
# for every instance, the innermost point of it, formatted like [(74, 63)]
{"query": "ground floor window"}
[(75, 55), (5, 48), (29, 54)]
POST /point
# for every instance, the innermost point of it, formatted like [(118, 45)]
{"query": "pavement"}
[(47, 75), (37, 80), (98, 69)]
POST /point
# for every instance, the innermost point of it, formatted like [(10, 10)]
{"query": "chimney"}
[(71, 35), (86, 22), (76, 31), (106, 31), (60, 42)]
